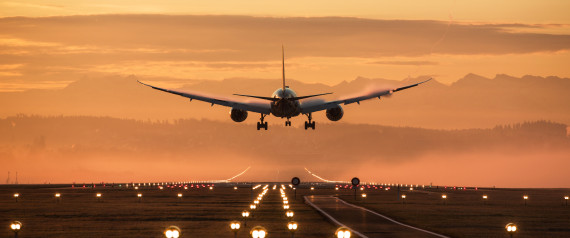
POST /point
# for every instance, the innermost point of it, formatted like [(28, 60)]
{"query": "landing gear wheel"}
[(287, 123), (309, 123), (262, 124)]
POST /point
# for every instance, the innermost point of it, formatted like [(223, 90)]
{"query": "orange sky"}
[(51, 52)]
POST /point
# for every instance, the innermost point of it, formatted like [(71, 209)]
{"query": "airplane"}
[(284, 103)]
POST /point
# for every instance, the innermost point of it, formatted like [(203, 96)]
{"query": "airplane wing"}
[(314, 106), (259, 107)]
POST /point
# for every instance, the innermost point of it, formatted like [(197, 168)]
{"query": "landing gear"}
[(262, 124), (309, 124), (288, 123)]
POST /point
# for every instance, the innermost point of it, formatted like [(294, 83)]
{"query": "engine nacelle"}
[(335, 113), (238, 115)]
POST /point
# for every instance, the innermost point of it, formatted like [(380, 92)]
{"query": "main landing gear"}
[(262, 124), (309, 124), (288, 123)]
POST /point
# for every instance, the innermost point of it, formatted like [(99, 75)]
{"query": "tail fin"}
[(283, 61)]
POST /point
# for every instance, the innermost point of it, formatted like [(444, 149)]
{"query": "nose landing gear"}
[(288, 123), (309, 124), (262, 124)]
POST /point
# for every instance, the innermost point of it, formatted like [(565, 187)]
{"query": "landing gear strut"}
[(309, 124), (288, 123), (262, 124)]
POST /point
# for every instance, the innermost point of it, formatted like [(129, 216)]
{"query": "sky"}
[(48, 45)]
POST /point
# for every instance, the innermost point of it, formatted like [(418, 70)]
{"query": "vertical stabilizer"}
[(283, 61)]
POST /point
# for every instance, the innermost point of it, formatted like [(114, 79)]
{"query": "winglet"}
[(283, 65)]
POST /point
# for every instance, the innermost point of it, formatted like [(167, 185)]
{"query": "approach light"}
[(485, 197), (57, 195), (342, 232), (258, 232), (172, 232), (312, 188), (252, 206), (234, 226), (286, 206), (511, 228), (336, 188), (292, 226), (16, 226), (525, 197), (235, 188), (289, 214), (245, 214), (363, 195)]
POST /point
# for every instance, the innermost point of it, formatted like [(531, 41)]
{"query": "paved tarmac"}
[(364, 222)]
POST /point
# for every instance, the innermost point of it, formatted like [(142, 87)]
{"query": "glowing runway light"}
[(292, 226), (343, 232), (234, 226), (15, 226), (258, 232), (172, 232), (525, 197), (511, 228)]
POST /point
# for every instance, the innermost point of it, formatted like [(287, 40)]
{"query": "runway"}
[(363, 222)]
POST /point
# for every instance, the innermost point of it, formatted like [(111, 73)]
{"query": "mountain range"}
[(473, 101)]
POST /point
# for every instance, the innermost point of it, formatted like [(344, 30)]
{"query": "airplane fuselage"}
[(284, 107)]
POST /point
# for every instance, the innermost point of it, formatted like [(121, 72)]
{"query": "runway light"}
[(285, 202), (485, 197), (566, 199), (235, 188), (234, 226), (336, 188), (511, 228), (180, 195), (57, 195), (342, 232), (525, 197), (16, 226), (245, 214), (312, 188), (252, 206), (286, 206), (289, 214), (211, 188), (363, 195), (444, 197), (16, 196), (172, 232), (258, 232), (292, 226)]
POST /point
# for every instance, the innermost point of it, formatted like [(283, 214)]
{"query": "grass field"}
[(200, 212), (466, 214), (207, 213)]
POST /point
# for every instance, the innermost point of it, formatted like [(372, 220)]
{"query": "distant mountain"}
[(471, 102)]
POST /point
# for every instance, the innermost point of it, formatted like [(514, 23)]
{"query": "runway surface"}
[(363, 222)]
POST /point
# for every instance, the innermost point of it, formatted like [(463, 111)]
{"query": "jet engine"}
[(238, 115), (335, 113)]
